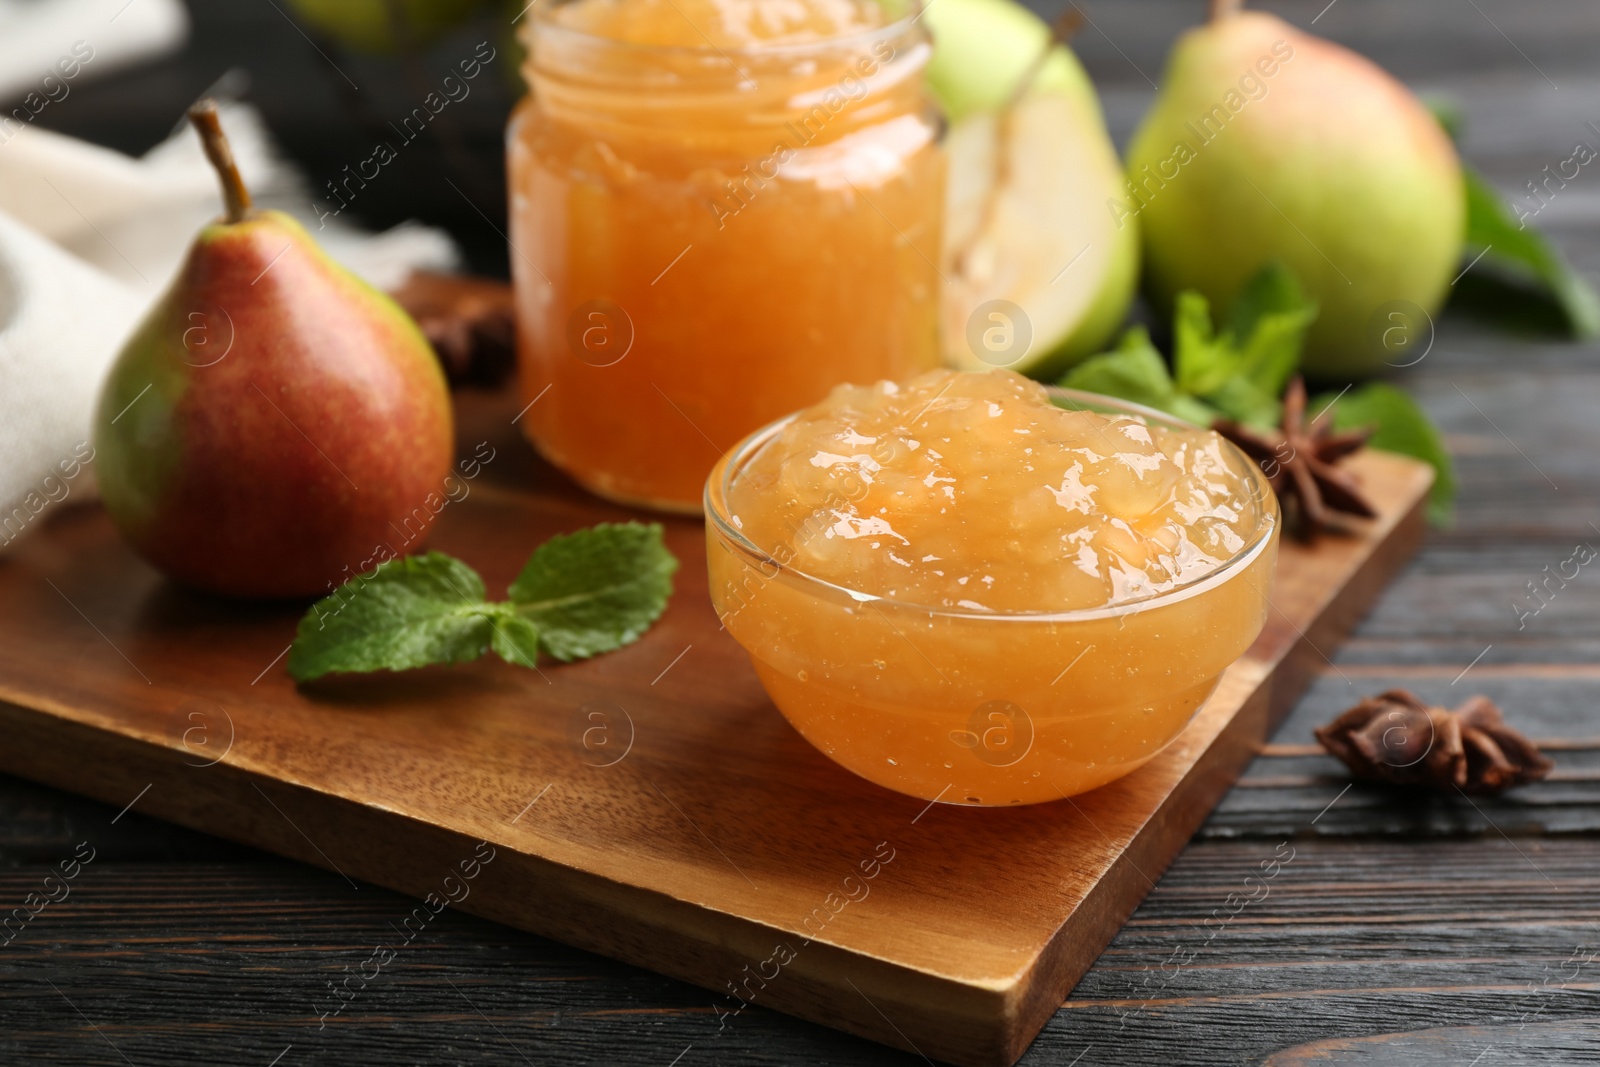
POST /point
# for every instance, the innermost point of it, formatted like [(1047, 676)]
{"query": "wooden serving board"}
[(649, 805)]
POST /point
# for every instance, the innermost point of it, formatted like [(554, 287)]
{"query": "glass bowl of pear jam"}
[(970, 588)]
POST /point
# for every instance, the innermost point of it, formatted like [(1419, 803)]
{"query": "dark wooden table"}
[(1402, 931)]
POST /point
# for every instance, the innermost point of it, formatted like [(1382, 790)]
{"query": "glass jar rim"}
[(542, 21), (715, 496)]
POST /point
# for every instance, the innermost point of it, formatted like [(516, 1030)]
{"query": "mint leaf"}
[(595, 590), (1135, 371), (1272, 354), (1201, 360), (1272, 290), (1258, 352), (1189, 409), (1214, 374), (405, 613), (515, 639), (1403, 427), (1520, 255), (1243, 400), (579, 594), (1270, 318)]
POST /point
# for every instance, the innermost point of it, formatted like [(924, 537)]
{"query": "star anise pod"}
[(469, 322), (1299, 462), (1396, 737)]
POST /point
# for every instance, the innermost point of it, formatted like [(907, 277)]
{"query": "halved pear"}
[(1027, 217)]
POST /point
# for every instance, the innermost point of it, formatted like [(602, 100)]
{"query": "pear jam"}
[(721, 209), (960, 590)]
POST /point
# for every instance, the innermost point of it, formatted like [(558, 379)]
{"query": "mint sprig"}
[(1240, 372), (1236, 373), (580, 594), (1136, 371)]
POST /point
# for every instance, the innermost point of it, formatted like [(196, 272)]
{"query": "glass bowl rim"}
[(542, 20), (714, 499)]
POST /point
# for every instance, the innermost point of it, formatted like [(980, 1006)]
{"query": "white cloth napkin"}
[(134, 218), (89, 238), (60, 323), (93, 37)]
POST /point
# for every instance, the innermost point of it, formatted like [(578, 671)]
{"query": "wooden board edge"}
[(636, 926), (1307, 659), (1108, 905), (1133, 874)]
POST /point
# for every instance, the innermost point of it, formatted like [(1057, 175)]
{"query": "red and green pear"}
[(275, 425)]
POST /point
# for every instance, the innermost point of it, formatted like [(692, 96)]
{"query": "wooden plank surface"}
[(178, 946), (714, 832)]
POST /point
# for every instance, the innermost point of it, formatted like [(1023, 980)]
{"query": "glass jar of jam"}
[(720, 209)]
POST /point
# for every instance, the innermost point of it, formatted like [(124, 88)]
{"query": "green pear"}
[(275, 426), (1267, 143), (1037, 273), (381, 25)]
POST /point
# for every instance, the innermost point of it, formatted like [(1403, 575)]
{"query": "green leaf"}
[(1272, 290), (1513, 253), (1192, 410), (1243, 400), (1272, 354), (1134, 371), (516, 638), (1201, 360), (1214, 374), (1270, 318), (1243, 369), (595, 590), (405, 613), (579, 595), (1403, 427)]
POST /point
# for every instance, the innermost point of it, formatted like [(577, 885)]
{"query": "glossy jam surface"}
[(721, 23), (972, 491), (719, 211), (961, 591)]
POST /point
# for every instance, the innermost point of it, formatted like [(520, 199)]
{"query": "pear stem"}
[(1225, 9), (1062, 30), (203, 116)]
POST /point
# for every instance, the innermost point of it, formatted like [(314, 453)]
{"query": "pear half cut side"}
[(1039, 271)]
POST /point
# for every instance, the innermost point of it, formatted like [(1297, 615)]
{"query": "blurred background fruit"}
[(383, 25), (1267, 143)]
